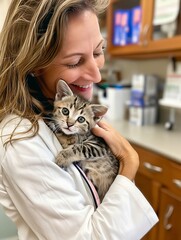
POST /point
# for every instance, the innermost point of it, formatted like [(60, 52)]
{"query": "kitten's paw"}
[(62, 161), (71, 141)]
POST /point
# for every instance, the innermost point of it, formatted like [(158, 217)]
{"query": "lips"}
[(82, 88), (85, 91)]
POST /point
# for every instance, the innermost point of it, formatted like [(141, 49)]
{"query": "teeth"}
[(84, 86)]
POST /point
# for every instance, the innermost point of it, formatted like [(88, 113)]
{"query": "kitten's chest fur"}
[(67, 140)]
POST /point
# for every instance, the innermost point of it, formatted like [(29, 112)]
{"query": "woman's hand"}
[(120, 147)]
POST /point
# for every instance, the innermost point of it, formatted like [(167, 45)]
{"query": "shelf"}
[(170, 103)]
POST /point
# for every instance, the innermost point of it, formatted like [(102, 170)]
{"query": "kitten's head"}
[(73, 114)]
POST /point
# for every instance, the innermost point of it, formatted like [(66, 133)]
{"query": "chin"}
[(86, 97), (67, 132), (87, 94)]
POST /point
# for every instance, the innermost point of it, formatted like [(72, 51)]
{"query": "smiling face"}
[(80, 59)]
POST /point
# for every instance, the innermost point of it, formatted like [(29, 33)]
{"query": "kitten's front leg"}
[(68, 156), (76, 152)]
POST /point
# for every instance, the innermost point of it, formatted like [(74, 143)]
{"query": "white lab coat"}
[(47, 202)]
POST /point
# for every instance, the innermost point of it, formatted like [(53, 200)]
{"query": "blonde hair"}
[(31, 37)]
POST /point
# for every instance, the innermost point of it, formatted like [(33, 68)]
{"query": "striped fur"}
[(73, 119)]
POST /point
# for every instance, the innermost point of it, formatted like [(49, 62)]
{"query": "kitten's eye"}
[(81, 119), (65, 111)]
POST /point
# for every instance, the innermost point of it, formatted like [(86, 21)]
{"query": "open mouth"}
[(82, 87)]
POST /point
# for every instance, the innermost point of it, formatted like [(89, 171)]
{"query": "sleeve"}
[(47, 199), (132, 216)]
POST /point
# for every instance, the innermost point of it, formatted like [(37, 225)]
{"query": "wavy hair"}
[(30, 39)]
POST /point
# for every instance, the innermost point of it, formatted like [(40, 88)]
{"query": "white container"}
[(142, 115), (146, 84), (116, 101)]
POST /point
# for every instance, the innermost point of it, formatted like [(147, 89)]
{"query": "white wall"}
[(7, 227), (4, 4), (147, 66)]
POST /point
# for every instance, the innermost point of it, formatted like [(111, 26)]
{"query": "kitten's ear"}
[(62, 90), (99, 111)]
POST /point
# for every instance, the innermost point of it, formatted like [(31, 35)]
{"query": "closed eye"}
[(101, 52), (100, 48), (81, 61)]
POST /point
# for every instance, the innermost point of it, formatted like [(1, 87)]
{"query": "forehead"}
[(82, 31)]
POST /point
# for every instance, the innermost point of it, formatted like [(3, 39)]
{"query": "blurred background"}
[(141, 85)]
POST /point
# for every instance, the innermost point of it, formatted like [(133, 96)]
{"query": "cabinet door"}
[(153, 165), (148, 46), (150, 190), (166, 37), (146, 26), (169, 215)]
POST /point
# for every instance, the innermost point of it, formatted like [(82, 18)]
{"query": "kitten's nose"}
[(70, 123)]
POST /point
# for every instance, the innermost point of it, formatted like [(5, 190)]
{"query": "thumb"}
[(98, 131), (101, 129)]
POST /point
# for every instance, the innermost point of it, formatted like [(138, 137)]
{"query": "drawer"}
[(153, 165), (159, 168), (174, 181)]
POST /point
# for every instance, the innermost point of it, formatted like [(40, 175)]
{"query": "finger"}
[(98, 131), (103, 124)]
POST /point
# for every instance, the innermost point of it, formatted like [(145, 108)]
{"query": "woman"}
[(44, 41)]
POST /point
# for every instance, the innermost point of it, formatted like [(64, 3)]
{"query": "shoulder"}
[(14, 124), (22, 129)]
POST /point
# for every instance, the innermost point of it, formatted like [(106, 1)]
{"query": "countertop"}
[(155, 138)]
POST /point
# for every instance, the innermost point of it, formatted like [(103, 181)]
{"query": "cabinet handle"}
[(168, 214), (152, 168), (177, 182)]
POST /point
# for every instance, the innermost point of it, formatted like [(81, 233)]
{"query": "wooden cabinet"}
[(169, 212), (147, 47), (159, 179)]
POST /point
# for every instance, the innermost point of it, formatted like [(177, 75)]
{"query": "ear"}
[(99, 111), (62, 90)]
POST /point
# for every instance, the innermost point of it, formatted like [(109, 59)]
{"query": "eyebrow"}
[(73, 54)]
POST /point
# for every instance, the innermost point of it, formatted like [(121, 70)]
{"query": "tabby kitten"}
[(73, 119)]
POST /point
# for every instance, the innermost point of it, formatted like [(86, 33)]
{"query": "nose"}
[(92, 69), (70, 122)]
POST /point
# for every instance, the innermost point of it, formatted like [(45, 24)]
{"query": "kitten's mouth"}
[(67, 130)]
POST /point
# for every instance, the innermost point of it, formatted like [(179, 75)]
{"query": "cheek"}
[(48, 77), (84, 127), (59, 116), (70, 76)]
